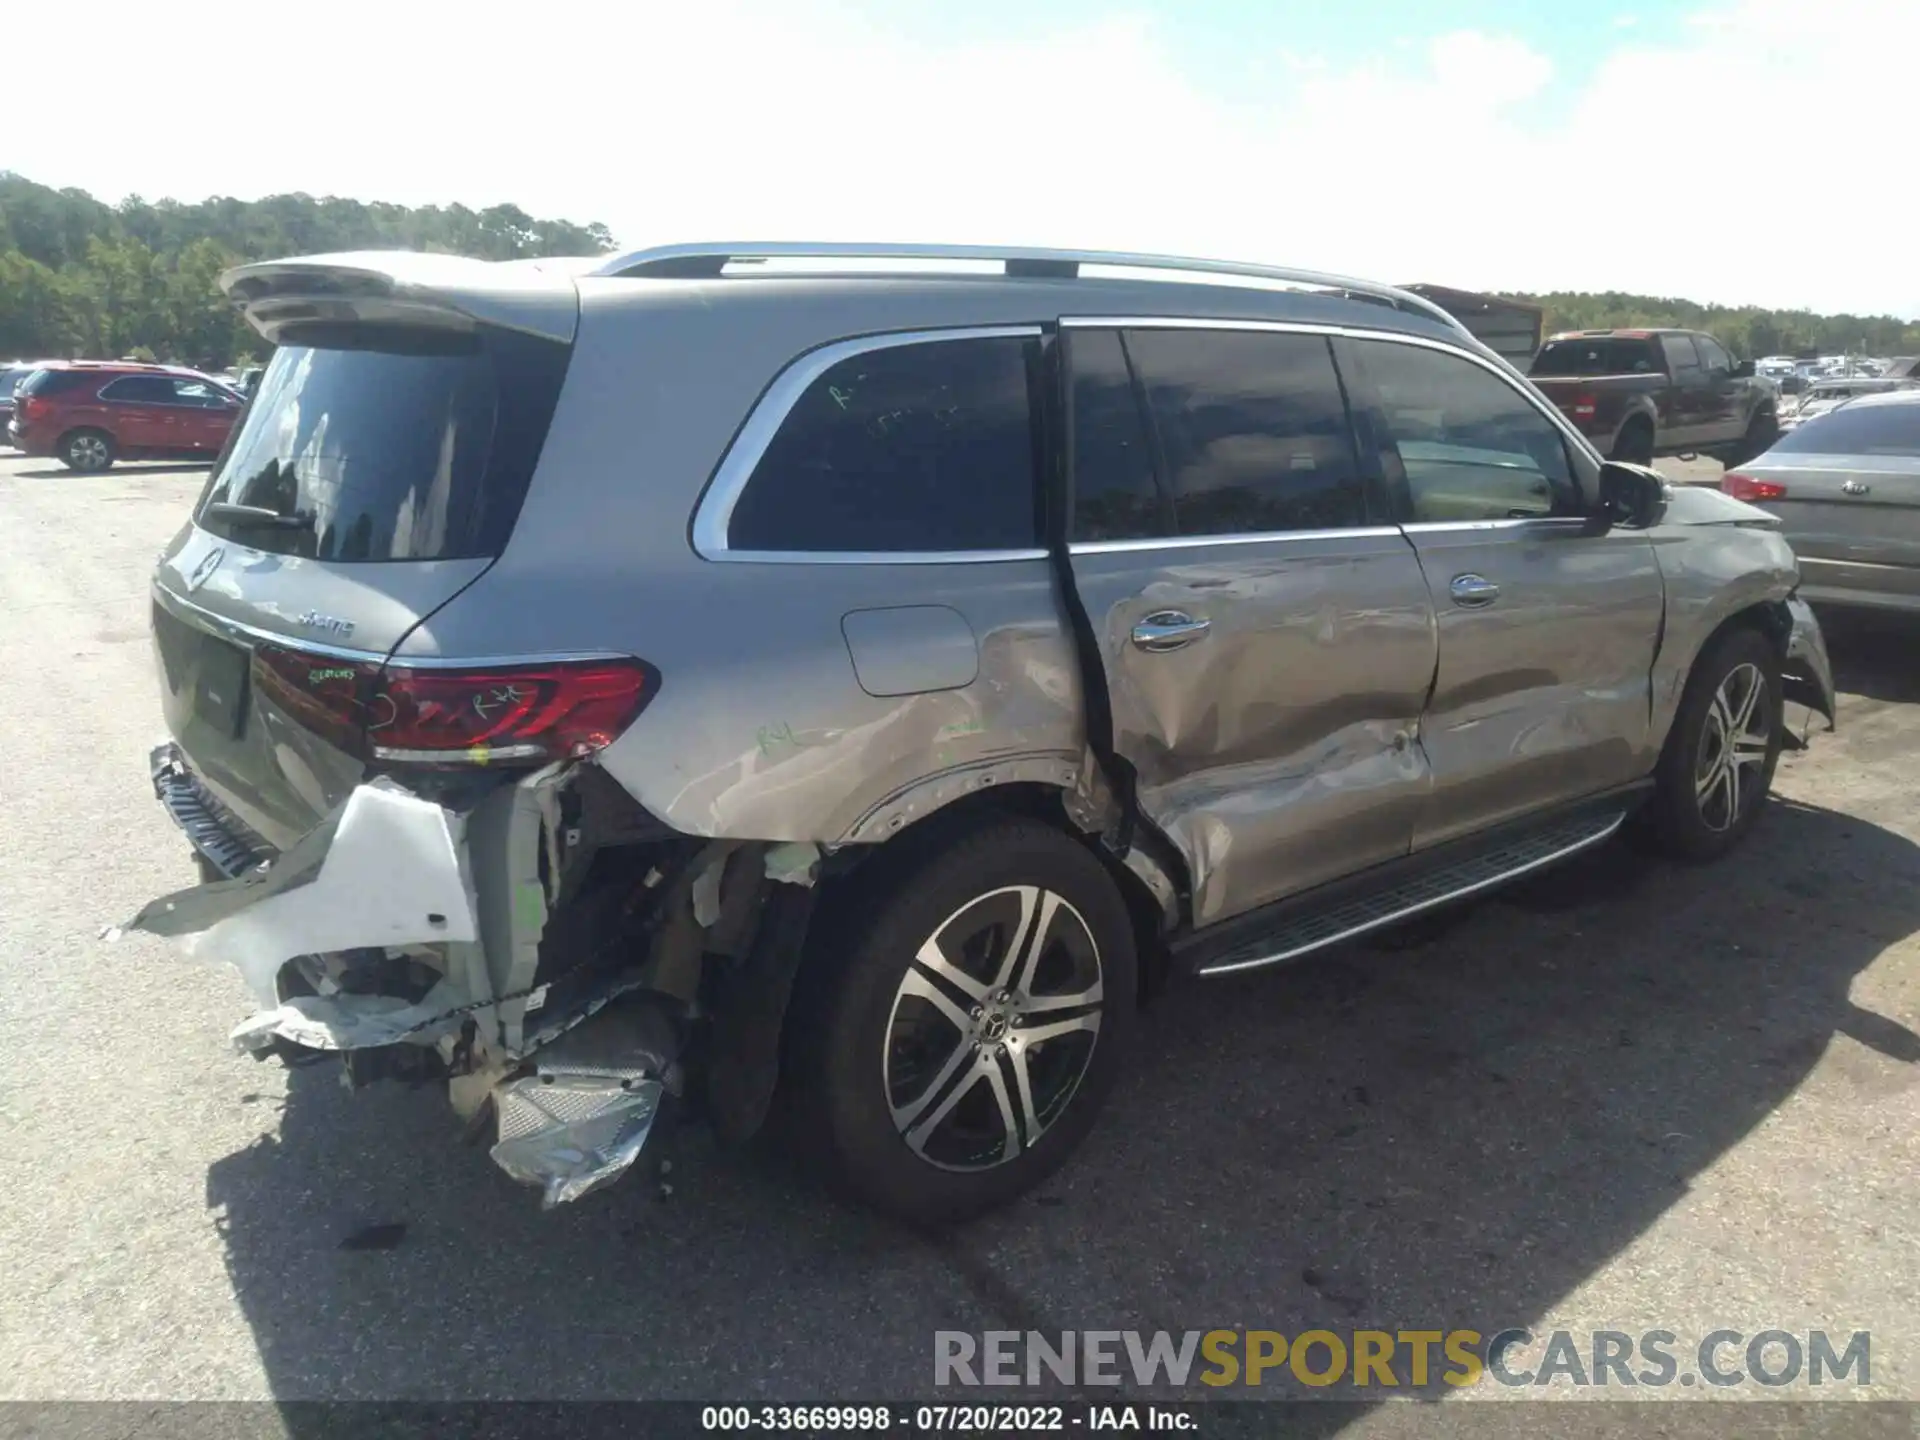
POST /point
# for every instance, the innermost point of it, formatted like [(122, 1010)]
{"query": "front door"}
[(1546, 623), (1722, 408), (1267, 639)]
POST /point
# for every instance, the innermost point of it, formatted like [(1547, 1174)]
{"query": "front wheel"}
[(1762, 431), (976, 1023), (1719, 759)]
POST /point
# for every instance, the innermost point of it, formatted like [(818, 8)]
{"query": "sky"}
[(1734, 151)]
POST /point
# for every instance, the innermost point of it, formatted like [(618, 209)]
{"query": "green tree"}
[(78, 277)]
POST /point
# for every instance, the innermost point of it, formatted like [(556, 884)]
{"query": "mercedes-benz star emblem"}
[(209, 563)]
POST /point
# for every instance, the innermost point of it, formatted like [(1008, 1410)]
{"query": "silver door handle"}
[(1855, 487), (1169, 630), (1473, 591)]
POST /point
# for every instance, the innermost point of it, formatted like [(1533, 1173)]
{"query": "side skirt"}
[(1401, 889)]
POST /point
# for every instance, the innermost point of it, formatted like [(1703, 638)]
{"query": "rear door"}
[(379, 471), (141, 412), (1546, 627), (1851, 506), (1267, 640)]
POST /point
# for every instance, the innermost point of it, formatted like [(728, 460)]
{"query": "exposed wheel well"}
[(859, 866)]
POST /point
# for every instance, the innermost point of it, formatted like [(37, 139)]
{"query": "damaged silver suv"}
[(854, 676)]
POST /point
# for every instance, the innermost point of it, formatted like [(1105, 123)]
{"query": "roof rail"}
[(709, 261)]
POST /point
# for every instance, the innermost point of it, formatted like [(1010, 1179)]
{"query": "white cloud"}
[(1704, 159)]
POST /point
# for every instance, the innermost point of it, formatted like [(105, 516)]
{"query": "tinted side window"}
[(1679, 352), (52, 382), (1460, 442), (1711, 355), (925, 447), (1253, 429), (1602, 355), (1114, 494), (138, 390)]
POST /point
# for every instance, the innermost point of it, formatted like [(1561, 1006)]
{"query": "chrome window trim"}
[(714, 514), (1517, 522), (187, 612), (1498, 369), (879, 557), (1195, 542)]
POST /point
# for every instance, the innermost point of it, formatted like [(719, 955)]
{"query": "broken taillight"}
[(497, 715), (1745, 487)]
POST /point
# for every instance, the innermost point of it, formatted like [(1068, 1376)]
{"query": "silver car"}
[(861, 673), (1846, 485)]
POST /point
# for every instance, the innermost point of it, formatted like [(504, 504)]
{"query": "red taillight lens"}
[(32, 407), (1745, 487), (515, 715), (1584, 407)]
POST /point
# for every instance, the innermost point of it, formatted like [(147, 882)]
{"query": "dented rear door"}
[(1267, 650)]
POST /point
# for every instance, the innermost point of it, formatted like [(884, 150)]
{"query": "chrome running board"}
[(1437, 887)]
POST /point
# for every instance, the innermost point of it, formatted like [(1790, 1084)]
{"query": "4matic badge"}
[(327, 624)]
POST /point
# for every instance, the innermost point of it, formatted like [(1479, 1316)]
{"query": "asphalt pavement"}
[(1626, 1095)]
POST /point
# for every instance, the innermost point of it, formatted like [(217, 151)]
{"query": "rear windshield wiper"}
[(255, 517)]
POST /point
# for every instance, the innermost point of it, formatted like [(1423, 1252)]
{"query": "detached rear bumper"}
[(402, 936), (1807, 675)]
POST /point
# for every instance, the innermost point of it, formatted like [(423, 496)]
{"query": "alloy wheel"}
[(992, 1028), (89, 452), (1735, 742)]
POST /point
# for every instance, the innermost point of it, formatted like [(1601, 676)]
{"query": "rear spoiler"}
[(401, 287)]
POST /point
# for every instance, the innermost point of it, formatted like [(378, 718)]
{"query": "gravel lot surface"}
[(1626, 1096)]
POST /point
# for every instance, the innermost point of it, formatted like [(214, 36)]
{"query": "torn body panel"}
[(539, 942)]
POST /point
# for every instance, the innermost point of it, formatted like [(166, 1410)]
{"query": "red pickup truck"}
[(1641, 393)]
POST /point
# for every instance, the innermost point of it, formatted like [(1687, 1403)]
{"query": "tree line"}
[(1746, 330), (83, 279)]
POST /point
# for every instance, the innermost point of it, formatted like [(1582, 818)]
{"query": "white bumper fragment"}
[(388, 870)]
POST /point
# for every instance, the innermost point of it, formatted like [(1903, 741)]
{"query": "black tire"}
[(1634, 444), (1762, 431), (1688, 816), (86, 451), (872, 1037)]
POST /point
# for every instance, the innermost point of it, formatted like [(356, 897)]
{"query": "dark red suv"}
[(90, 413)]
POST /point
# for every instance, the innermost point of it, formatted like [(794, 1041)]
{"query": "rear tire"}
[(1714, 773), (86, 451), (929, 1093), (1635, 442)]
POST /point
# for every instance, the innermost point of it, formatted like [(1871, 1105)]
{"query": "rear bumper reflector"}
[(200, 816)]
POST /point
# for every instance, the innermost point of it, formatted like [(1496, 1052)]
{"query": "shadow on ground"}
[(133, 471), (1874, 652), (1454, 1134)]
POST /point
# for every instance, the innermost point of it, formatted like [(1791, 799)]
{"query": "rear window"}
[(1604, 356), (382, 445), (1857, 430), (927, 447)]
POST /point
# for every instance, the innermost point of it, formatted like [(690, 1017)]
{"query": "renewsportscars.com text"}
[(1392, 1359)]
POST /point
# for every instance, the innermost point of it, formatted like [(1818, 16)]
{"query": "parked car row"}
[(90, 413)]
